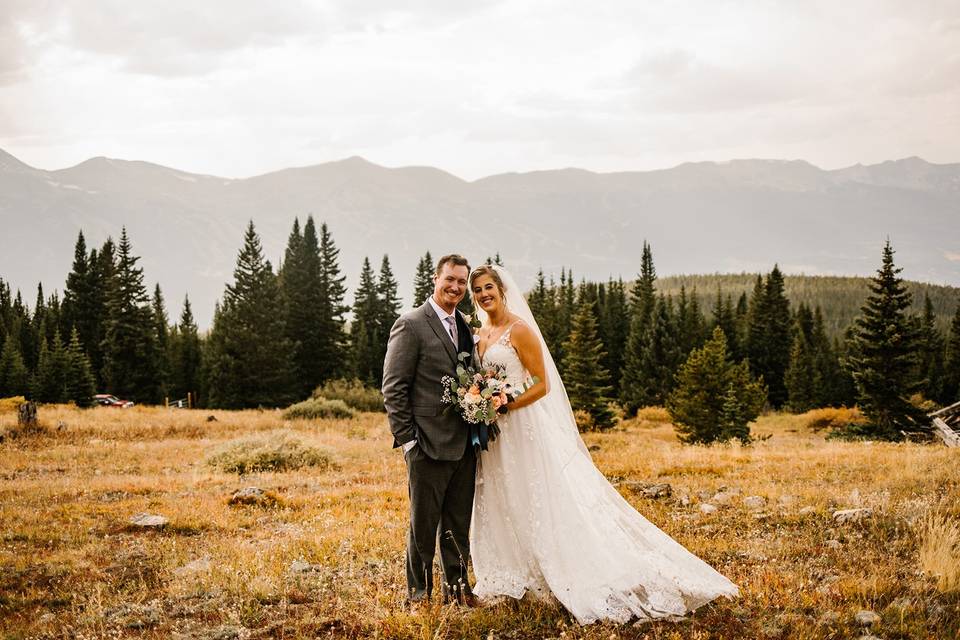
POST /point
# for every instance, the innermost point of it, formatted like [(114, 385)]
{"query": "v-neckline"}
[(491, 343)]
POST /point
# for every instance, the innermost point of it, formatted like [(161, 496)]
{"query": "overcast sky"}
[(237, 88)]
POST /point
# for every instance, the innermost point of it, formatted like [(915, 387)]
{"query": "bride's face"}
[(487, 295)]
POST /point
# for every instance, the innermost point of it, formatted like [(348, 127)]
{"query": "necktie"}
[(452, 324)]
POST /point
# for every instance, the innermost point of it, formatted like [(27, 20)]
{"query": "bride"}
[(545, 520)]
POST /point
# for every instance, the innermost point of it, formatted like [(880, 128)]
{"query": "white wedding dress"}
[(546, 521)]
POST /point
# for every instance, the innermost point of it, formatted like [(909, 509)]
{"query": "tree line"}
[(639, 347), (279, 333)]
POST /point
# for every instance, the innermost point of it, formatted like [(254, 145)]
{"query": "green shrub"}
[(318, 409), (276, 452), (353, 392)]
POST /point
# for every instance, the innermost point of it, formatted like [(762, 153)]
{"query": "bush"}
[(318, 409), (277, 452), (353, 392), (584, 420), (11, 404), (654, 414), (837, 419)]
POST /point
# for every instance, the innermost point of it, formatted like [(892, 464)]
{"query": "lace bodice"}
[(502, 352)]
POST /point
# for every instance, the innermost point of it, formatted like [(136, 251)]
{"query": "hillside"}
[(707, 217), (839, 297)]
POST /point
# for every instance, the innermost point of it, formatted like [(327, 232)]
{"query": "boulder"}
[(661, 490), (866, 618), (707, 508), (755, 502), (844, 516), (148, 521), (251, 495)]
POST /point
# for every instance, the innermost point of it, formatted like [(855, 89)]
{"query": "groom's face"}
[(450, 286)]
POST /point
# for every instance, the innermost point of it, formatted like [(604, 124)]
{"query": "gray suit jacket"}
[(419, 354)]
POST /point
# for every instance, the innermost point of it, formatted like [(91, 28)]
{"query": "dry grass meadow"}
[(323, 556)]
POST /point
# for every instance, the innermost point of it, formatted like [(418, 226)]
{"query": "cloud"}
[(952, 256)]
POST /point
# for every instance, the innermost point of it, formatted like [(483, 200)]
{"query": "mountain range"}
[(704, 217)]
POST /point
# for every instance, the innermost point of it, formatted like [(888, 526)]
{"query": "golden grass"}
[(832, 418), (71, 565), (939, 549), (11, 403), (654, 414)]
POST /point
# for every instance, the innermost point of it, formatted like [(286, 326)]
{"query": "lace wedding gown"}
[(545, 520)]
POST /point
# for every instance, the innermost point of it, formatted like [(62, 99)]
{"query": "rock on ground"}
[(851, 515), (866, 618), (148, 521)]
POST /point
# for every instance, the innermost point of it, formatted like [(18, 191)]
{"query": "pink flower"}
[(497, 402), (474, 390)]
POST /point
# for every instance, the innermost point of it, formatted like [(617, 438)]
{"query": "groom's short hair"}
[(455, 259)]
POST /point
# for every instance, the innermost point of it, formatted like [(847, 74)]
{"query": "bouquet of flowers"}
[(479, 394)]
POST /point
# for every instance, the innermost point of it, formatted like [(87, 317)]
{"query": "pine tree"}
[(14, 377), (131, 359), (769, 339), (778, 337), (644, 293), (103, 273), (831, 382), (951, 368), (50, 378), (690, 327), (79, 383), (931, 354), (333, 348), (543, 304), (714, 398), (161, 332), (186, 356), (661, 355), (633, 394), (249, 355), (883, 356), (388, 310), (615, 320), (801, 378), (725, 317), (423, 280), (78, 298), (586, 380), (299, 280), (364, 330)]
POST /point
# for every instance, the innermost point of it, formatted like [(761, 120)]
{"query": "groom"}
[(441, 464)]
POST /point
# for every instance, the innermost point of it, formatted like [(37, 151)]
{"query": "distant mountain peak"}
[(11, 163)]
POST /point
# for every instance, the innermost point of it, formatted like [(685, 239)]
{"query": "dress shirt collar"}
[(443, 315)]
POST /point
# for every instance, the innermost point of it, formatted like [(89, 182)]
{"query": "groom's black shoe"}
[(460, 595)]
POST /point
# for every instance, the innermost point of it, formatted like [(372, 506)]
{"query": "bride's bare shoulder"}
[(520, 330)]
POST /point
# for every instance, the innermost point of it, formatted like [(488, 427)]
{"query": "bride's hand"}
[(527, 344)]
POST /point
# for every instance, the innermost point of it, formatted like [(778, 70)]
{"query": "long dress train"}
[(546, 521)]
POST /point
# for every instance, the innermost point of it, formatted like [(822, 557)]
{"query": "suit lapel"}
[(440, 330), (465, 334)]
